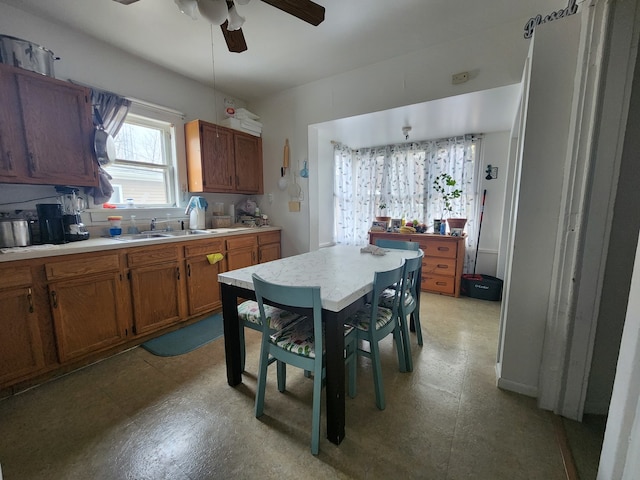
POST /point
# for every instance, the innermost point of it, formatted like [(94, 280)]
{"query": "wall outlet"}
[(459, 78)]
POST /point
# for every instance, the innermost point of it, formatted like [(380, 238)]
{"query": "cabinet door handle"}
[(178, 273), (188, 269), (30, 300), (440, 265), (54, 296)]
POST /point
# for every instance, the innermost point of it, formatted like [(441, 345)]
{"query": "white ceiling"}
[(284, 52), (478, 112)]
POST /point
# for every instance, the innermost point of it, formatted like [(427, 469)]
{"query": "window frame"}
[(172, 122)]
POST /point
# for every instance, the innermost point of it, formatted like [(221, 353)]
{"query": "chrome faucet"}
[(153, 224)]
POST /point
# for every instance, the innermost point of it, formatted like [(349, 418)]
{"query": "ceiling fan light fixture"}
[(235, 20), (188, 7), (213, 10)]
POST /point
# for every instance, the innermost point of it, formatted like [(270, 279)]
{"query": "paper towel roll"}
[(232, 213)]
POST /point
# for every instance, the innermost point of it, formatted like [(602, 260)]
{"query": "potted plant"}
[(382, 207), (445, 185)]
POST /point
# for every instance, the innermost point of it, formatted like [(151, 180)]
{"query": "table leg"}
[(334, 339), (231, 334)]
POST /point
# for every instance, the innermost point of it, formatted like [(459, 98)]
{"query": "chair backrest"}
[(285, 296), (384, 280), (397, 244), (410, 278)]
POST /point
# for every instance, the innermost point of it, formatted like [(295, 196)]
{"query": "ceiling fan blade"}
[(235, 39), (305, 10), (126, 2)]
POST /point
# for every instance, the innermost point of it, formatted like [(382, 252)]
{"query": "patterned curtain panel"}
[(402, 176)]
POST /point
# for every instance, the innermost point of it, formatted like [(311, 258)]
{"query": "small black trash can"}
[(484, 287)]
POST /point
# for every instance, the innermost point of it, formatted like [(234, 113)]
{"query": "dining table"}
[(345, 276)]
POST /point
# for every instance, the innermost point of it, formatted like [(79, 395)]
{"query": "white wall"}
[(496, 57), (535, 223), (495, 152)]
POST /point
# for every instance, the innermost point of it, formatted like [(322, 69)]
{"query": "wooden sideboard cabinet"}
[(443, 260)]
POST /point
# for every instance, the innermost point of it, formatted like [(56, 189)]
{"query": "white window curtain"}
[(401, 176)]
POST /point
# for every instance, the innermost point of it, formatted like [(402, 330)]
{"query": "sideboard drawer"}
[(438, 283), (439, 266), (439, 248)]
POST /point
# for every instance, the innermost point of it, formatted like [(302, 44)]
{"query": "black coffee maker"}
[(50, 223), (74, 229)]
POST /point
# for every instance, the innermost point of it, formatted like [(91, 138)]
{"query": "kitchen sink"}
[(158, 234), (139, 236)]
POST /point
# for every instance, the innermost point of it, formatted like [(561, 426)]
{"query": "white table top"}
[(342, 272)]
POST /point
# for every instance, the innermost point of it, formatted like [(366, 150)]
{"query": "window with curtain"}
[(401, 176)]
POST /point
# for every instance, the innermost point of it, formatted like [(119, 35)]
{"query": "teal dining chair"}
[(397, 244), (410, 289), (249, 317), (301, 344), (374, 322)]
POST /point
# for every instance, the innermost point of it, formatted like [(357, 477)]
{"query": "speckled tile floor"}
[(138, 416)]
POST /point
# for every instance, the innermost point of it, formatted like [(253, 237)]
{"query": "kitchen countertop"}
[(100, 244)]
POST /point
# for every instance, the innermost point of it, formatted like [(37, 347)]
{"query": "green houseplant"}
[(382, 217), (445, 185)]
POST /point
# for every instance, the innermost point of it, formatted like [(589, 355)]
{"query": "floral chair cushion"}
[(277, 319), (298, 338), (362, 318)]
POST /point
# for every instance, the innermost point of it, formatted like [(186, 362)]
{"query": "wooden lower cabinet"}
[(86, 297), (242, 252), (21, 352), (157, 287), (65, 311), (268, 246), (86, 315), (442, 263), (203, 289)]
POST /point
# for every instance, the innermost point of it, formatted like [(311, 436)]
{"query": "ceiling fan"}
[(224, 13)]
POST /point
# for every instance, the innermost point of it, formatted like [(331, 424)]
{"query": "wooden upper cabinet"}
[(46, 130), (222, 160), (248, 160), (12, 145)]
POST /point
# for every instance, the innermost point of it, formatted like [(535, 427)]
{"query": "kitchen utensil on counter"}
[(14, 233), (51, 223), (74, 229), (27, 55)]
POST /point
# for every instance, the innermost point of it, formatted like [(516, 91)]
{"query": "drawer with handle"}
[(439, 266), (438, 283)]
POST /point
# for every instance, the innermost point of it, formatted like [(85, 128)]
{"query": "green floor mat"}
[(188, 338)]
